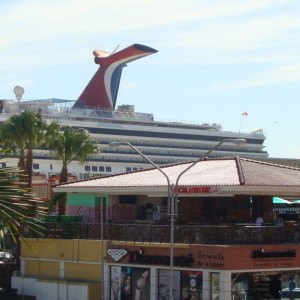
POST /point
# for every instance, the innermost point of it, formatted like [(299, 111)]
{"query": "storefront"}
[(205, 272), (134, 283)]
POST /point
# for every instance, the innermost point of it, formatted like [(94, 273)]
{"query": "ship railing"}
[(186, 234), (94, 115)]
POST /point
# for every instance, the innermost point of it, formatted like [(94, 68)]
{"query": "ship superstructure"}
[(95, 110)]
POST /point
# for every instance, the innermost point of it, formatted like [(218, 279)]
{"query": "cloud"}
[(242, 35), (48, 34), (285, 74), (35, 21)]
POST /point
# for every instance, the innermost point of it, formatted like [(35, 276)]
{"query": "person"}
[(115, 286), (278, 221), (259, 221), (126, 286), (292, 284), (140, 284)]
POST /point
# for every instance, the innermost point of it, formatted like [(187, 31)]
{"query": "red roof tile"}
[(233, 171)]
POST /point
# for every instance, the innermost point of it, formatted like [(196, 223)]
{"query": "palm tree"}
[(12, 139), (69, 144), (33, 129), (18, 208), (23, 132)]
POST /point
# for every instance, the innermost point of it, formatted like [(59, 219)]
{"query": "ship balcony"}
[(231, 234)]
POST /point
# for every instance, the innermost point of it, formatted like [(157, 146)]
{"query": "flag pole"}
[(244, 115)]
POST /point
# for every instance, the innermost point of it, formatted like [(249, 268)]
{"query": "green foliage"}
[(21, 133), (18, 207), (68, 144), (24, 131)]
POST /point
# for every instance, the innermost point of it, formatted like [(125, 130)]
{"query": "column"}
[(206, 285), (225, 285)]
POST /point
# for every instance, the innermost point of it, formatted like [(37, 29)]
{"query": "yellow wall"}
[(86, 272), (45, 269), (82, 258), (94, 292), (32, 268), (86, 250)]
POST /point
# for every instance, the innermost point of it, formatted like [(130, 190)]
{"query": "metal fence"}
[(188, 234)]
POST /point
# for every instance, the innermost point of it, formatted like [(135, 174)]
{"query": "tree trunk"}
[(28, 167), (63, 201), (21, 165), (63, 174)]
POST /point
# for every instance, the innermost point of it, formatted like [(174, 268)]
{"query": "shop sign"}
[(117, 254), (209, 260), (287, 210), (183, 261), (197, 189), (273, 254)]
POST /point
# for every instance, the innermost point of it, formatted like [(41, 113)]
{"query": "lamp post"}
[(170, 205), (173, 193), (102, 249)]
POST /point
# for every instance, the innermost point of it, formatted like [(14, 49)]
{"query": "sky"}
[(216, 59)]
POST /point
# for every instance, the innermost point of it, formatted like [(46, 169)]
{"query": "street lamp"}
[(170, 205), (102, 248), (173, 193)]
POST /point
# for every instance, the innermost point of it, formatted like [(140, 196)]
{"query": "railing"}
[(188, 234)]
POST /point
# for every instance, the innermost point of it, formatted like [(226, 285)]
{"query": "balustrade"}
[(184, 234)]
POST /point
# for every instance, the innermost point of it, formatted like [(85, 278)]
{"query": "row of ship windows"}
[(90, 168), (96, 168), (86, 168), (156, 143), (106, 169)]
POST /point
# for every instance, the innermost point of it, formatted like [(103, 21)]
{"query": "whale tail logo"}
[(102, 90)]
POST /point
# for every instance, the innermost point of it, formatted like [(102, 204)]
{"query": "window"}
[(128, 169), (108, 169), (101, 168), (50, 166), (35, 166), (94, 168), (215, 285), (87, 168)]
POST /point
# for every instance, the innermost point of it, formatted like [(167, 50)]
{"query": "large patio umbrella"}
[(277, 200), (295, 202)]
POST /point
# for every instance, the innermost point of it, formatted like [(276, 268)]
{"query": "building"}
[(131, 227)]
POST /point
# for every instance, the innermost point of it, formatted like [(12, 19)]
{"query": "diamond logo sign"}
[(117, 254)]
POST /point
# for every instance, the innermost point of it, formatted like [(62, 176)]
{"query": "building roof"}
[(233, 175)]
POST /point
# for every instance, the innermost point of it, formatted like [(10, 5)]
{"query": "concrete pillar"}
[(225, 285), (153, 283), (106, 282), (62, 269), (22, 266), (206, 293)]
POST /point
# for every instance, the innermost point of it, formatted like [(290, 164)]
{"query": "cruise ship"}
[(96, 110)]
